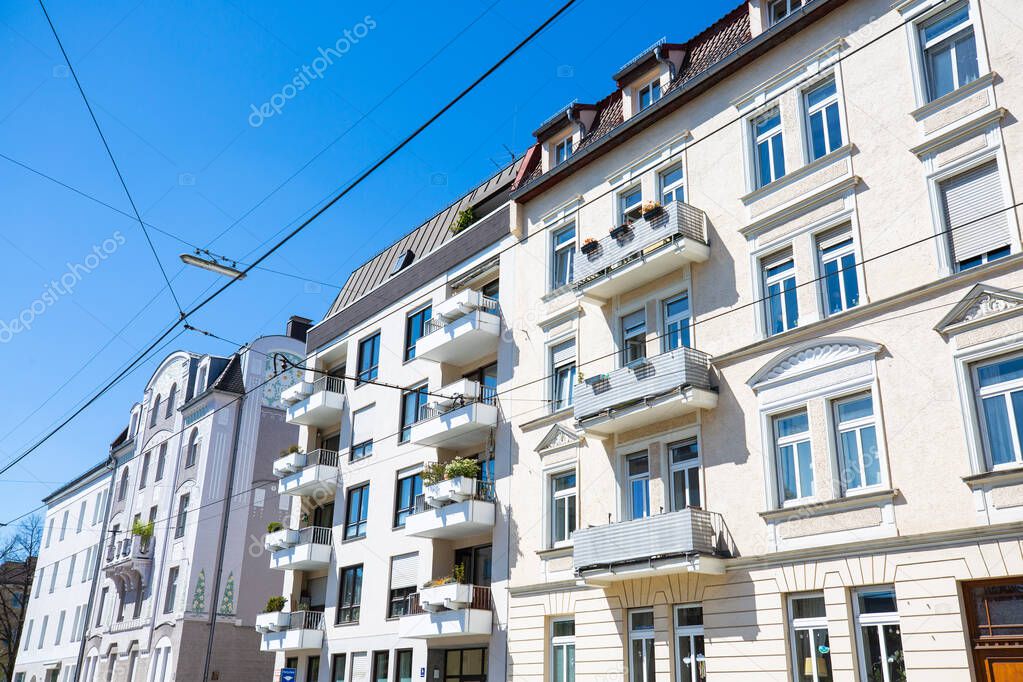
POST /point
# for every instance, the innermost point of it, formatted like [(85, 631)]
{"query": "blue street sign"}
[(288, 675)]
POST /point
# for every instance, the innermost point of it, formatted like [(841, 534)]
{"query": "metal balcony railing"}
[(484, 491), (671, 223), (437, 323), (306, 620), (329, 383), (314, 535), (479, 394), (643, 378), (322, 456), (129, 547), (481, 599)]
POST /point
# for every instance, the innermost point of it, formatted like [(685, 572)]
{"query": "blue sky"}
[(174, 86)]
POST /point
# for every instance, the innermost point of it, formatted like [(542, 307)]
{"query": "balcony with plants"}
[(657, 241), (454, 503), (303, 549), (128, 561), (307, 473), (288, 630), (448, 607)]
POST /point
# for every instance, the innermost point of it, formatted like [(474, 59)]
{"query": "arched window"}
[(170, 400), (192, 453), (154, 410), (134, 426), (122, 491), (200, 383)]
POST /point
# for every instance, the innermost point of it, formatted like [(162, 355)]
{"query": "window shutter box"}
[(563, 352), (404, 570), (966, 200)]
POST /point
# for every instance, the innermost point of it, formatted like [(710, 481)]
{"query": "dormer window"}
[(403, 260), (779, 9), (563, 150), (649, 93)]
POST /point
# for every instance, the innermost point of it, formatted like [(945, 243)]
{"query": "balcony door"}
[(486, 377), (477, 562), (323, 516)]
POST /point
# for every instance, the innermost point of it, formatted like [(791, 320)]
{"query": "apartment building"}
[(395, 558), (55, 617), (767, 297), (148, 533)]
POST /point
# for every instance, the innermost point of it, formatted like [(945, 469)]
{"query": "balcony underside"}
[(643, 268), (304, 557), (291, 640), (652, 568), (459, 520), (310, 481), (647, 411), (464, 341), (447, 624), (461, 427), (321, 410)]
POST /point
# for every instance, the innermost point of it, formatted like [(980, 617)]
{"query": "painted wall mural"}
[(273, 388)]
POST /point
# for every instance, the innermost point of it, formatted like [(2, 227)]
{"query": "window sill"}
[(797, 174), (548, 419), (995, 478), (555, 552), (346, 541), (867, 499), (963, 91)]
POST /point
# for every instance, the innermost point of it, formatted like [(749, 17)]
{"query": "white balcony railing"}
[(463, 417), (456, 516), (451, 610), (290, 631), (303, 550), (318, 403), (307, 473), (463, 330)]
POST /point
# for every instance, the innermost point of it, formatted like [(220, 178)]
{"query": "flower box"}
[(455, 489), (449, 596), (273, 622), (289, 464), (650, 209), (280, 539), (620, 232), (589, 247)]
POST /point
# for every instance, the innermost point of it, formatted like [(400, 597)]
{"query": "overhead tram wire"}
[(113, 161)]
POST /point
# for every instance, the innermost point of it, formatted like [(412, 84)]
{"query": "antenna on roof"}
[(511, 154)]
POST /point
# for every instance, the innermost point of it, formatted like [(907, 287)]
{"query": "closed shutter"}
[(972, 203), (404, 570), (360, 667), (563, 352), (362, 425), (317, 589)]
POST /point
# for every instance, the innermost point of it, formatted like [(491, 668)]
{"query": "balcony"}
[(307, 473), (687, 541), (307, 549), (651, 248), (283, 631), (450, 610), (445, 513), (318, 403), (463, 418), (464, 329), (646, 391), (129, 561)]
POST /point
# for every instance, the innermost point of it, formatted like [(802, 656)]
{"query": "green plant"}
[(459, 574), (461, 466), (291, 450), (274, 526), (142, 529), (465, 219), (433, 472), (275, 604)]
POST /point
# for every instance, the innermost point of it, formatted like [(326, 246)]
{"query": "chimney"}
[(298, 326)]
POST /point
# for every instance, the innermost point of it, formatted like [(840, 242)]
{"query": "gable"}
[(982, 305)]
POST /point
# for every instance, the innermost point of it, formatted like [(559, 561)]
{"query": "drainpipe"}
[(112, 465), (228, 497), (663, 59)]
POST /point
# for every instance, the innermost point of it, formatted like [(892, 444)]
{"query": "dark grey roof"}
[(426, 238), (231, 379), (87, 475)]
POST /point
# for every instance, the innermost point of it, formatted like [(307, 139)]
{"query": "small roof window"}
[(403, 260)]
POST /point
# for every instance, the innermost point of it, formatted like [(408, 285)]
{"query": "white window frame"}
[(791, 441), (790, 7), (924, 45), (656, 92), (873, 620), (553, 497), (556, 250), (629, 478), (852, 248), (809, 624), (766, 263), (684, 466), (675, 187), (691, 632), (623, 355), (562, 642), (667, 320), (554, 371), (566, 144), (644, 636), (1003, 389), (837, 428), (623, 211), (918, 16), (821, 107), (756, 140)]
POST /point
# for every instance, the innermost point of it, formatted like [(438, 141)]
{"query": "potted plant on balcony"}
[(279, 537), (273, 617), (457, 483), (621, 231), (590, 246), (292, 459), (449, 592), (144, 531), (650, 208), (465, 219)]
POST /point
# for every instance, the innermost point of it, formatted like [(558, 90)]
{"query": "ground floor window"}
[(809, 634), (465, 665), (337, 668), (563, 650), (312, 669), (403, 665), (689, 661), (641, 646), (880, 637)]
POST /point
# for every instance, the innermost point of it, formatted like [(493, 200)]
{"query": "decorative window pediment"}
[(982, 305), (557, 439), (811, 357)]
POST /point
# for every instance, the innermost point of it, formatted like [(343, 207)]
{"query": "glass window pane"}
[(879, 601), (858, 408), (821, 93), (689, 616), (851, 460), (791, 306), (832, 287), (871, 459), (940, 70), (642, 620), (967, 66), (764, 163), (805, 469), (946, 23), (817, 146), (808, 607), (804, 657), (834, 127), (779, 156), (686, 658), (694, 487), (822, 649), (893, 645), (788, 473), (1002, 371), (996, 419), (852, 287), (792, 424)]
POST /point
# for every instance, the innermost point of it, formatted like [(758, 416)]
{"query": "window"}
[(144, 474), (949, 51), (312, 669), (629, 205), (857, 442), (824, 125), (562, 257), (563, 507), (685, 474), (690, 665), (412, 402), (795, 462), (633, 337), (638, 471), (404, 570), (122, 491), (53, 576), (403, 260), (416, 327), (200, 382), (563, 650), (779, 9), (407, 490), (337, 668), (649, 93), (840, 287), (28, 633), (492, 289), (350, 594), (171, 594), (563, 150), (879, 635), (562, 374), (641, 646), (71, 570), (192, 453), (380, 666), (154, 411), (42, 631), (672, 185), (810, 645), (974, 217), (676, 322), (49, 531), (362, 433), (403, 665), (60, 628), (170, 401), (357, 511), (88, 563), (369, 358), (63, 524), (780, 306), (769, 156), (39, 581), (179, 526), (999, 387), (102, 602), (81, 516)]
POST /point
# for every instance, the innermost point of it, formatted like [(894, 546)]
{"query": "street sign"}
[(288, 675)]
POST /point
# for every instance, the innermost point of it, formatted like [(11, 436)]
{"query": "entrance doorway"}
[(465, 665), (995, 616)]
